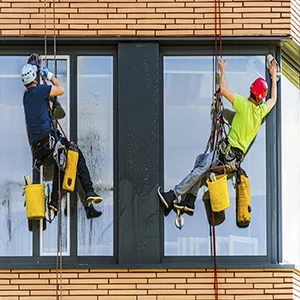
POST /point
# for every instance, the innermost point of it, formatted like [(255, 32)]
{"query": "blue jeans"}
[(196, 178)]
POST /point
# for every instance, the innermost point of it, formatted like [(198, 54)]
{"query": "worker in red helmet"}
[(231, 151)]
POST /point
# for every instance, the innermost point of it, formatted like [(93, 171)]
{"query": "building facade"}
[(138, 78)]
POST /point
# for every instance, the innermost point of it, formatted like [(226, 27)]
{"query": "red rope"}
[(220, 129)]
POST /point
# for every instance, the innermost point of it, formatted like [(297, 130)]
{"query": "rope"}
[(218, 120)]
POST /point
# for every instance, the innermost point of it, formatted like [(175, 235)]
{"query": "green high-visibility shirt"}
[(246, 122)]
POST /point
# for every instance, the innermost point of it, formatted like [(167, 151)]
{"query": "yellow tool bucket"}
[(71, 171), (243, 202), (218, 193), (35, 201)]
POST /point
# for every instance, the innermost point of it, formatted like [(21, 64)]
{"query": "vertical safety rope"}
[(217, 121)]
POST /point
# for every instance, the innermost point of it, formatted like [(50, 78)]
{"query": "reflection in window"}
[(15, 239), (290, 113), (95, 138), (188, 93)]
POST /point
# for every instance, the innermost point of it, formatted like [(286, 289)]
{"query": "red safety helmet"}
[(259, 88)]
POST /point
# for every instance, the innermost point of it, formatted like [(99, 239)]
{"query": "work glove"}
[(47, 73)]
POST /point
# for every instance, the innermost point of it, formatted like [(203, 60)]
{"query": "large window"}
[(95, 138), (290, 110), (94, 121), (188, 94)]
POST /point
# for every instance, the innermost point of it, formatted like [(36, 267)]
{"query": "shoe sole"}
[(94, 199), (161, 198)]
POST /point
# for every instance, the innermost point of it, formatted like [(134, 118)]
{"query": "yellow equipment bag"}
[(218, 193), (35, 201), (71, 171), (243, 202)]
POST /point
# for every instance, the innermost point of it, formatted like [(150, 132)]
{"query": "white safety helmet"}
[(28, 73)]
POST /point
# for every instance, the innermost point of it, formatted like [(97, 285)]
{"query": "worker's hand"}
[(273, 69), (47, 73), (222, 65)]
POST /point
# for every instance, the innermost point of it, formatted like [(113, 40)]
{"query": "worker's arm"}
[(229, 95), (56, 89), (272, 101)]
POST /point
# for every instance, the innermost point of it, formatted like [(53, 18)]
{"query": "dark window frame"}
[(121, 259)]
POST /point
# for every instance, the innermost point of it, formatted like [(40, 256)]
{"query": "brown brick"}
[(146, 298), (98, 10), (173, 297), (116, 32), (16, 293), (184, 16), (155, 286), (137, 275), (168, 4), (88, 4), (256, 297), (89, 281), (146, 16), (264, 280), (116, 297), (190, 286), (8, 287), (127, 292), (156, 21), (39, 298), (245, 291), (166, 292), (127, 280), (263, 285), (107, 26), (47, 293), (89, 292), (29, 281), (212, 297), (97, 275), (204, 280), (117, 286), (283, 297), (64, 275), (175, 10), (166, 280), (37, 287), (186, 26)]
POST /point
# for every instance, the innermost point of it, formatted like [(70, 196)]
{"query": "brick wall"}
[(157, 284), (147, 17)]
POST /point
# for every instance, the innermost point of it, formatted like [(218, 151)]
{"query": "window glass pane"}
[(49, 236), (16, 160), (188, 94), (290, 112), (95, 138)]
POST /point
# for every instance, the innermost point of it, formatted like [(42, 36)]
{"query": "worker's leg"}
[(202, 163), (85, 180)]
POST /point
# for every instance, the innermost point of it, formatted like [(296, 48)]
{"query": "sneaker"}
[(91, 212), (187, 205), (93, 197), (166, 198)]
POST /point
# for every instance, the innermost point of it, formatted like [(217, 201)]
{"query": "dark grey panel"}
[(138, 100)]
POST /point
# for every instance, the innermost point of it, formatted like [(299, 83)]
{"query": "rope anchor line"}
[(59, 225)]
